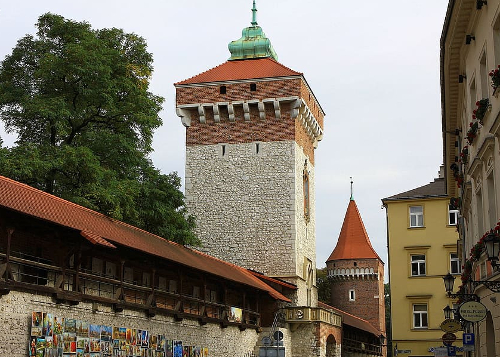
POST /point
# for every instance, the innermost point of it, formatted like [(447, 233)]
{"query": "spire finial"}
[(254, 14), (352, 197)]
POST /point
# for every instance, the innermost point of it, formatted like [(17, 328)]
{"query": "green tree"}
[(78, 100), (324, 285)]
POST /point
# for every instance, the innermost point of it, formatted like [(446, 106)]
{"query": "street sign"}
[(449, 338), (441, 352), (472, 311), (452, 351), (450, 325), (468, 339)]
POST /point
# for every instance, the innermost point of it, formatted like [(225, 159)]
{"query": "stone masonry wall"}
[(249, 207), (244, 203), (15, 318)]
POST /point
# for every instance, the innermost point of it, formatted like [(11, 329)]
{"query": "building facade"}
[(252, 126), (470, 59), (422, 247)]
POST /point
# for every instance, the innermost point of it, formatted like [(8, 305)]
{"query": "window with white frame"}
[(416, 216), (420, 316), (455, 267), (418, 265), (452, 217), (352, 295)]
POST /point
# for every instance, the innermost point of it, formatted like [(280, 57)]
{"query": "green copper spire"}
[(254, 15), (253, 42)]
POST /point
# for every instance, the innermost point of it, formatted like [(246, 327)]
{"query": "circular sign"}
[(449, 338), (450, 325), (472, 311)]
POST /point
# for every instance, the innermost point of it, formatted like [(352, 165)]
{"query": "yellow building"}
[(422, 241)]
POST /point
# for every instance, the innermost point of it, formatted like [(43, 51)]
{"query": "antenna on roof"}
[(254, 15), (352, 197)]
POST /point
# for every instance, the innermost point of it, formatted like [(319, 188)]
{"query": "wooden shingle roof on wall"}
[(102, 230)]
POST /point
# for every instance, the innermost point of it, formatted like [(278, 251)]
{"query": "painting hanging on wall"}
[(56, 336)]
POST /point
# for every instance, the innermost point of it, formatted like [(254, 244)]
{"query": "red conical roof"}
[(353, 240)]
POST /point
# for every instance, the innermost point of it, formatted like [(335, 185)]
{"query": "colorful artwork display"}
[(55, 336)]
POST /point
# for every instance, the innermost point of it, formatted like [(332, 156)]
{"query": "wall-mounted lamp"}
[(469, 38), (480, 3), (492, 246), (449, 280), (461, 78)]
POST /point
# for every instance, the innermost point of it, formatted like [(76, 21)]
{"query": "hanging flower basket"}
[(483, 107), (495, 78), (472, 132), (464, 155)]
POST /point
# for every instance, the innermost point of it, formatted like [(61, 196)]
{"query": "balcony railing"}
[(301, 314)]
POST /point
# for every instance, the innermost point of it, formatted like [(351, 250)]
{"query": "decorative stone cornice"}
[(299, 111)]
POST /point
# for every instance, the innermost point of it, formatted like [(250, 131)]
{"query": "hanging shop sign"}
[(472, 311), (450, 325)]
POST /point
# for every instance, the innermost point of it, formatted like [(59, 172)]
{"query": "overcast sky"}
[(373, 66)]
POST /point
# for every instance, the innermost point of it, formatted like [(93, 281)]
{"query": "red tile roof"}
[(103, 230), (242, 69), (352, 320), (353, 240)]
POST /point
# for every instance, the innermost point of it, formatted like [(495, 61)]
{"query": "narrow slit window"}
[(223, 148), (257, 148)]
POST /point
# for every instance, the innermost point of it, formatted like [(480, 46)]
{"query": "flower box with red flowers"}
[(483, 108), (495, 79)]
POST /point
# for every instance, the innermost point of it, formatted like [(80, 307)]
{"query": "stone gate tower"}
[(357, 272), (252, 125)]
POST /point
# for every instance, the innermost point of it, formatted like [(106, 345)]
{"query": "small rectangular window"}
[(253, 87), (416, 216), (418, 265), (352, 295), (453, 217), (420, 316), (455, 267), (222, 89)]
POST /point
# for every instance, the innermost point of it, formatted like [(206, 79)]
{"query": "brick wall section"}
[(241, 131), (369, 291)]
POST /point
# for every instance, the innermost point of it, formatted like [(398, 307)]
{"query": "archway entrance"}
[(331, 347)]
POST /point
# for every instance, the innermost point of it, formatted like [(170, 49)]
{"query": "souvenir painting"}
[(128, 336), (204, 352), (82, 328), (58, 325), (161, 343), (177, 348), (106, 333), (185, 351), (122, 333), (169, 348), (144, 338), (94, 331), (36, 323), (33, 346), (70, 326), (153, 341), (48, 321)]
